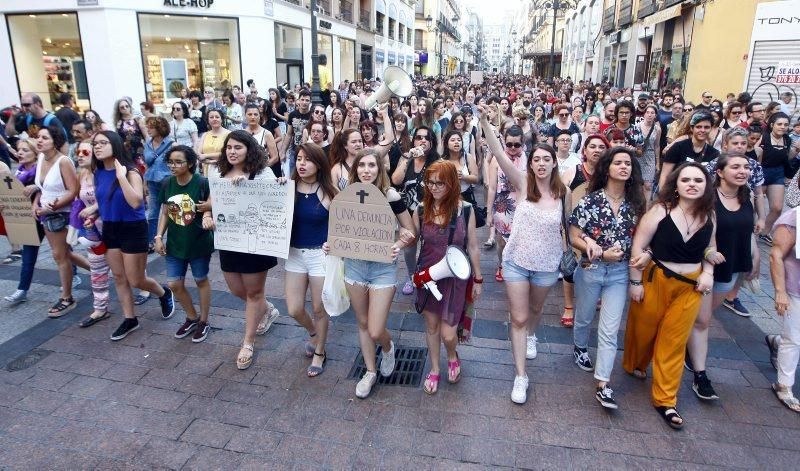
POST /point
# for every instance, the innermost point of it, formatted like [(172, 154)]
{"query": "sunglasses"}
[(736, 112), (688, 109), (25, 104), (318, 111), (563, 115), (515, 145), (422, 136), (84, 152)]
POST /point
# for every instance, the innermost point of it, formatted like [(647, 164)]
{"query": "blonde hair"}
[(382, 180), (520, 112)]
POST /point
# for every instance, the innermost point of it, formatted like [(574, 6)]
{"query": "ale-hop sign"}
[(361, 224), (254, 216), (17, 216)]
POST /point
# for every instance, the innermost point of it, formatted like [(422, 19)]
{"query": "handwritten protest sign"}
[(361, 225), (20, 225), (476, 77), (254, 216)]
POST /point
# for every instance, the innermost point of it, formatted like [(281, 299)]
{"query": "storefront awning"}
[(663, 15)]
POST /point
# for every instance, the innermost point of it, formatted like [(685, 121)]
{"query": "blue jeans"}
[(29, 255), (609, 282), (153, 209)]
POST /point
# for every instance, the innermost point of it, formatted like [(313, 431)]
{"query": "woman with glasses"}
[(155, 151), (521, 117), (776, 156), (119, 192), (182, 200), (408, 176), (442, 219), (732, 116), (182, 129), (459, 123), (131, 128), (209, 146), (534, 246), (669, 275), (317, 116), (564, 157), (96, 121), (562, 122), (210, 98), (601, 229)]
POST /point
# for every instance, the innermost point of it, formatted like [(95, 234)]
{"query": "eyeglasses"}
[(177, 108), (515, 145), (100, 143), (564, 141), (25, 104), (563, 115), (85, 152), (689, 110), (422, 136), (176, 163), (318, 111), (435, 184)]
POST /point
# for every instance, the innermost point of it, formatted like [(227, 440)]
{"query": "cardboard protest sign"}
[(20, 225), (361, 225), (476, 77), (254, 216)]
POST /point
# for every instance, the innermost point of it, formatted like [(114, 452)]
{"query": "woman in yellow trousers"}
[(668, 276)]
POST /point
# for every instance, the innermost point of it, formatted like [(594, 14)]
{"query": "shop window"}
[(48, 57), (325, 47), (347, 59), (188, 53), (289, 54)]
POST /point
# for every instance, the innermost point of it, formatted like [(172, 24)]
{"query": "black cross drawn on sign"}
[(362, 194), (10, 180)]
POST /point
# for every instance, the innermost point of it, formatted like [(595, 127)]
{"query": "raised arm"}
[(388, 131), (516, 176)]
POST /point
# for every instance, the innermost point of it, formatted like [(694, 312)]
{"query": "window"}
[(347, 59), (188, 53), (401, 33), (48, 57), (392, 26), (288, 42), (379, 17), (325, 47)]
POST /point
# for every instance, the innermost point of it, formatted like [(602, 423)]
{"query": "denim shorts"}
[(373, 275), (177, 267), (774, 176), (513, 272), (55, 222), (310, 261), (725, 287)]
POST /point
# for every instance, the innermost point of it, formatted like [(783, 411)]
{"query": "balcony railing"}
[(365, 19), (608, 19), (346, 11), (625, 13), (324, 7), (646, 8), (669, 3), (295, 2)]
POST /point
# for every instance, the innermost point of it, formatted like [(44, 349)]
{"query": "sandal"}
[(61, 307), (317, 370), (431, 383), (267, 319), (90, 321), (454, 370), (245, 358), (310, 347), (669, 414), (638, 374), (498, 276), (489, 244), (786, 397), (567, 321)]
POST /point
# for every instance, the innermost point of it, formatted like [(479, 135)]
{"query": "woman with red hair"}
[(443, 219)]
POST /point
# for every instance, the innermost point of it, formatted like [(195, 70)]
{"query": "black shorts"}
[(238, 262), (129, 237)]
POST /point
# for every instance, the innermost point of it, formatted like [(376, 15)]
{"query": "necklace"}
[(686, 220), (613, 199), (719, 190), (313, 190)]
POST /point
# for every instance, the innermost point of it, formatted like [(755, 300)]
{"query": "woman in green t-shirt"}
[(183, 199)]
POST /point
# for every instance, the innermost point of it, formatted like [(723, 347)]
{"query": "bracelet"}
[(477, 280), (635, 282), (708, 251), (584, 236), (649, 252), (157, 237)]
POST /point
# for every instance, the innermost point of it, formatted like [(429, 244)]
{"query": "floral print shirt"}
[(633, 135), (594, 216)]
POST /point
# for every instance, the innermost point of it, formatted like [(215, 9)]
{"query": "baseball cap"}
[(644, 96)]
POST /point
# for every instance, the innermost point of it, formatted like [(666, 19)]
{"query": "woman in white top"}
[(182, 129), (465, 163), (233, 112), (263, 137), (58, 184), (533, 251)]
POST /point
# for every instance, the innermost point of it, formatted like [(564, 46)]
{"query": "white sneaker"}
[(76, 281), (364, 387), (270, 317), (19, 296), (531, 352), (520, 392), (388, 362)]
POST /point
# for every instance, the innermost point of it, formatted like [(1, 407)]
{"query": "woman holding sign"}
[(443, 219), (245, 273), (371, 285), (305, 266)]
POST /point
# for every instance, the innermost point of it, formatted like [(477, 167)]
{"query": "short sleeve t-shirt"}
[(186, 238), (298, 121), (683, 151), (182, 133), (32, 125)]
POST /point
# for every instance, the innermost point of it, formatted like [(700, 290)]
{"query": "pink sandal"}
[(454, 370), (431, 383)]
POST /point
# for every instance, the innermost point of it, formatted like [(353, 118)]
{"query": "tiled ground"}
[(154, 402)]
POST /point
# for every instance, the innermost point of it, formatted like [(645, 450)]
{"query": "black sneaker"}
[(687, 362), (772, 343), (605, 396), (736, 306), (201, 333), (582, 359), (702, 387), (186, 328), (167, 303), (127, 326)]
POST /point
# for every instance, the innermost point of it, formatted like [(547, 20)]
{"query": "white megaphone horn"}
[(455, 263), (396, 81)]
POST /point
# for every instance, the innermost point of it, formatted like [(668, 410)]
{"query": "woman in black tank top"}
[(671, 269), (775, 159)]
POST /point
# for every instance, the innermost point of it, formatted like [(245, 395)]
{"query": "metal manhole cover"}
[(27, 360), (407, 371)]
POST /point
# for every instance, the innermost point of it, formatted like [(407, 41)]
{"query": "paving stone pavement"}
[(154, 402)]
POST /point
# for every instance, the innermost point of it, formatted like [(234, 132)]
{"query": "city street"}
[(152, 401)]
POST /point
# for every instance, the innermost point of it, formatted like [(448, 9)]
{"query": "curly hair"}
[(254, 162), (160, 125), (634, 185)]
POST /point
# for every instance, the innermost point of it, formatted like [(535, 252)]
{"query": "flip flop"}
[(454, 370), (431, 384), (567, 321), (787, 398)]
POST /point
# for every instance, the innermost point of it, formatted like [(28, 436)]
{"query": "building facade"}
[(439, 39), (100, 50)]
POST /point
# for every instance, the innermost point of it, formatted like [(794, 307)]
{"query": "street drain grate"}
[(27, 360), (407, 371)]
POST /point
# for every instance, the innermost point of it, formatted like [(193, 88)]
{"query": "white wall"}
[(256, 37), (30, 69), (9, 93)]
